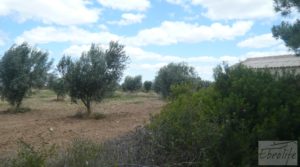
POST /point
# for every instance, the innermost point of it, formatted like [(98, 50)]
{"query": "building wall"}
[(280, 71)]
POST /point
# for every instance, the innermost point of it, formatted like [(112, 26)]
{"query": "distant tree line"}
[(135, 83), (132, 83), (94, 76)]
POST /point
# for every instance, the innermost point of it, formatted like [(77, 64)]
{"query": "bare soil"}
[(52, 122)]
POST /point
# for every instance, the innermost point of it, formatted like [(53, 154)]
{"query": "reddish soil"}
[(51, 122)]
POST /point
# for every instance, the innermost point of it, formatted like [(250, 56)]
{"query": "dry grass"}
[(52, 122)]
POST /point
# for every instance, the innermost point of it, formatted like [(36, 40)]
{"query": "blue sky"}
[(202, 33)]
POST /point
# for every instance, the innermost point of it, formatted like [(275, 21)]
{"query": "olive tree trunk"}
[(87, 103)]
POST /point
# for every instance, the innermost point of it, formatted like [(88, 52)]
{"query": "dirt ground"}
[(51, 122)]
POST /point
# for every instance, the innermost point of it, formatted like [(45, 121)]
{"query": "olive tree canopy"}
[(95, 74), (21, 68)]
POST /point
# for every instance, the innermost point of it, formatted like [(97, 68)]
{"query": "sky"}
[(201, 33)]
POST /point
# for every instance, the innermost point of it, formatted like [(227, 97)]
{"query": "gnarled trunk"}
[(17, 106), (88, 107), (87, 103)]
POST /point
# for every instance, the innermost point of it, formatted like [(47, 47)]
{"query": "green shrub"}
[(222, 124), (82, 153), (183, 89), (257, 106), (28, 156), (186, 128), (132, 149)]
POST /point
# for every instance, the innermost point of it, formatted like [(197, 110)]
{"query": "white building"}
[(274, 63)]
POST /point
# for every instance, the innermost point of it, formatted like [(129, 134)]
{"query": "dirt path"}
[(51, 122)]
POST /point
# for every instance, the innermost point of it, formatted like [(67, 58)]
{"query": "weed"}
[(28, 156)]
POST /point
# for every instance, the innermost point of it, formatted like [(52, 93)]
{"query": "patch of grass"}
[(3, 104), (43, 93), (129, 97), (83, 115), (136, 102), (28, 156), (17, 110), (81, 153), (132, 149)]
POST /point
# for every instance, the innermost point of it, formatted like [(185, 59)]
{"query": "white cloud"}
[(126, 5), (184, 3), (205, 72), (139, 54), (267, 53), (1, 42), (3, 38), (260, 41), (62, 12), (42, 35), (103, 27), (149, 67), (129, 18), (229, 59), (178, 2), (177, 32), (232, 9), (76, 50), (166, 34)]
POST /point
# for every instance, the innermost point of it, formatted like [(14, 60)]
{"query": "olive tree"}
[(132, 83), (147, 86), (21, 68), (58, 85), (95, 74), (172, 74)]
